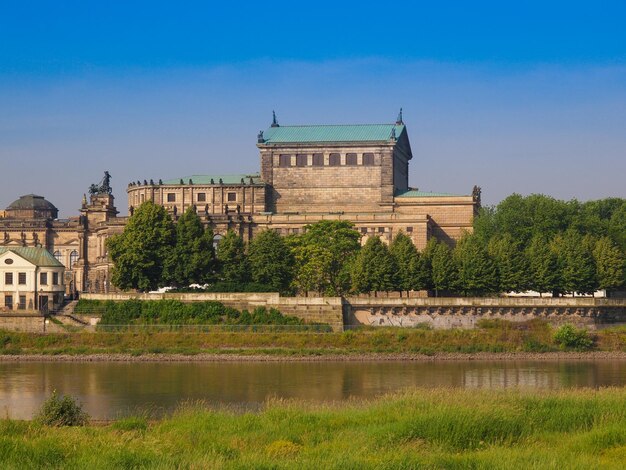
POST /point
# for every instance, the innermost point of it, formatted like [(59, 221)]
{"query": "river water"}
[(110, 390)]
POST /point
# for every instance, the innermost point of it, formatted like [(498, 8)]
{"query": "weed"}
[(570, 337), (61, 411)]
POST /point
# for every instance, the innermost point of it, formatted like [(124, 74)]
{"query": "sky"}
[(526, 97)]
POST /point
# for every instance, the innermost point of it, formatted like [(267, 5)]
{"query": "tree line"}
[(524, 243)]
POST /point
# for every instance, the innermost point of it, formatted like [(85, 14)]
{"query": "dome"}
[(32, 206)]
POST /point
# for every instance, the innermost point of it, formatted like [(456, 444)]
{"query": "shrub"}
[(570, 337), (61, 411)]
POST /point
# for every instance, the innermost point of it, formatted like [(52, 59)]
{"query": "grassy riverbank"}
[(495, 337), (417, 429)]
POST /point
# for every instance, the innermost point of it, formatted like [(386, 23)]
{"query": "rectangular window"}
[(55, 279), (22, 304), (334, 159), (232, 197), (301, 159), (8, 302), (21, 279), (351, 159), (8, 279), (318, 159), (171, 197), (368, 159), (364, 230), (142, 198), (201, 197), (43, 279), (284, 160), (381, 229)]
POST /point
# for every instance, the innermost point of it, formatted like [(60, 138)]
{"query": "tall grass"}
[(439, 428), (533, 336)]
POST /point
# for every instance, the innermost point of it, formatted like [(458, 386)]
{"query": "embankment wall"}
[(310, 309), (465, 312)]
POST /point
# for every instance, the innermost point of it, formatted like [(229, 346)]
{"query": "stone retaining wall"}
[(439, 313), (464, 312), (28, 323), (310, 309)]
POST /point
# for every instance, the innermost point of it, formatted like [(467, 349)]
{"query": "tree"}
[(477, 271), (543, 266), (576, 263), (233, 263), (313, 264), (511, 263), (407, 260), (609, 264), (140, 252), (523, 217), (339, 241), (192, 260), (374, 268), (271, 261), (444, 269)]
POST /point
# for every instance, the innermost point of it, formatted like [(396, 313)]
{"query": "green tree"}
[(140, 252), (484, 224), (576, 263), (374, 268), (617, 227), (524, 217), (339, 241), (313, 264), (271, 261), (609, 264), (445, 275), (233, 263), (409, 264), (511, 263), (478, 274), (192, 260), (543, 267)]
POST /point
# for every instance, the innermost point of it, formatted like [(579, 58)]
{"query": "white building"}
[(30, 279)]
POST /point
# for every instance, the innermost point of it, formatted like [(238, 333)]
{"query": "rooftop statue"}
[(103, 188)]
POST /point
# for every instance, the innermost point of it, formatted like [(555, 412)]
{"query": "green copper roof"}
[(416, 193), (37, 256), (337, 133), (226, 179)]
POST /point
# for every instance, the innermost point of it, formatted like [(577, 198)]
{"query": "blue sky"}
[(527, 97)]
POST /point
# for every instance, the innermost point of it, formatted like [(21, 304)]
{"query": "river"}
[(109, 390)]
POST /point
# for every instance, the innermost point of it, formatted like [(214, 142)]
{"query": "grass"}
[(440, 428), (532, 336)]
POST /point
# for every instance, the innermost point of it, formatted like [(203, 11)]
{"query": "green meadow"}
[(437, 428)]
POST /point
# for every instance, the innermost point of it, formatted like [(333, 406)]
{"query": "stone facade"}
[(307, 174)]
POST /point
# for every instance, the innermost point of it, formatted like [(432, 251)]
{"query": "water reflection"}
[(110, 390)]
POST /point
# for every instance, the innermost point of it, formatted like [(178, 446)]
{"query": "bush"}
[(61, 411), (570, 337)]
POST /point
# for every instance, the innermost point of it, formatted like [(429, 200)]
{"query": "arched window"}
[(217, 238), (334, 159), (57, 255), (351, 159), (368, 159), (73, 258)]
